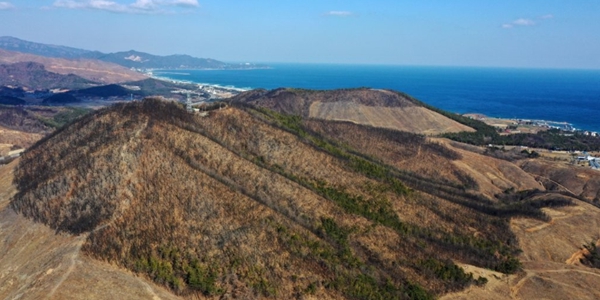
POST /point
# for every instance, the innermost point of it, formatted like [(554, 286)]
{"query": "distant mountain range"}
[(16, 79), (90, 69), (129, 59), (15, 44)]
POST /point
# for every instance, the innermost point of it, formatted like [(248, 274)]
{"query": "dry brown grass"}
[(549, 268), (377, 108), (492, 175), (581, 181), (410, 119)]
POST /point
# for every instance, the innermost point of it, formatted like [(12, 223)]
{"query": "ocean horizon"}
[(561, 95)]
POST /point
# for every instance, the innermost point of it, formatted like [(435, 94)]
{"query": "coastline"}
[(200, 84), (204, 92), (523, 123), (518, 125)]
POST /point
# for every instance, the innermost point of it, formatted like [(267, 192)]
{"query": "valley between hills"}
[(266, 197)]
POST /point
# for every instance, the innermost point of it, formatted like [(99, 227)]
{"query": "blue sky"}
[(507, 33)]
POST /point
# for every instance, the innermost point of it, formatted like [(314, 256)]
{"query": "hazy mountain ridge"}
[(128, 59), (19, 45), (141, 60), (89, 69)]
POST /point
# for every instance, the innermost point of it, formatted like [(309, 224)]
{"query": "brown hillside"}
[(551, 266), (583, 182), (27, 119), (37, 263), (23, 126), (429, 157), (492, 175), (94, 70), (250, 203), (17, 137), (377, 108)]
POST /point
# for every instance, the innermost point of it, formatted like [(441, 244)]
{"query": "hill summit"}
[(372, 107), (249, 202)]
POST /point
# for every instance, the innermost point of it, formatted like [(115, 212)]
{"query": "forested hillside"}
[(249, 202)]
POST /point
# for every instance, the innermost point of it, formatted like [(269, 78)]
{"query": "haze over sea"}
[(549, 94)]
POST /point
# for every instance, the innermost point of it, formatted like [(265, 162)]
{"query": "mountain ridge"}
[(128, 59), (93, 70), (18, 45)]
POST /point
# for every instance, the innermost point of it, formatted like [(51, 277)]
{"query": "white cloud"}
[(339, 13), (137, 7), (144, 4), (548, 16), (523, 22), (153, 4), (94, 4), (185, 3), (519, 22), (6, 5)]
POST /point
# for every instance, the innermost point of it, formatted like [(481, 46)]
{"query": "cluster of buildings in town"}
[(509, 126)]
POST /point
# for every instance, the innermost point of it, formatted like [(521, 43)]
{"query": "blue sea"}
[(548, 94)]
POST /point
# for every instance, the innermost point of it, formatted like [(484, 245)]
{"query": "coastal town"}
[(512, 126), (575, 157)]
